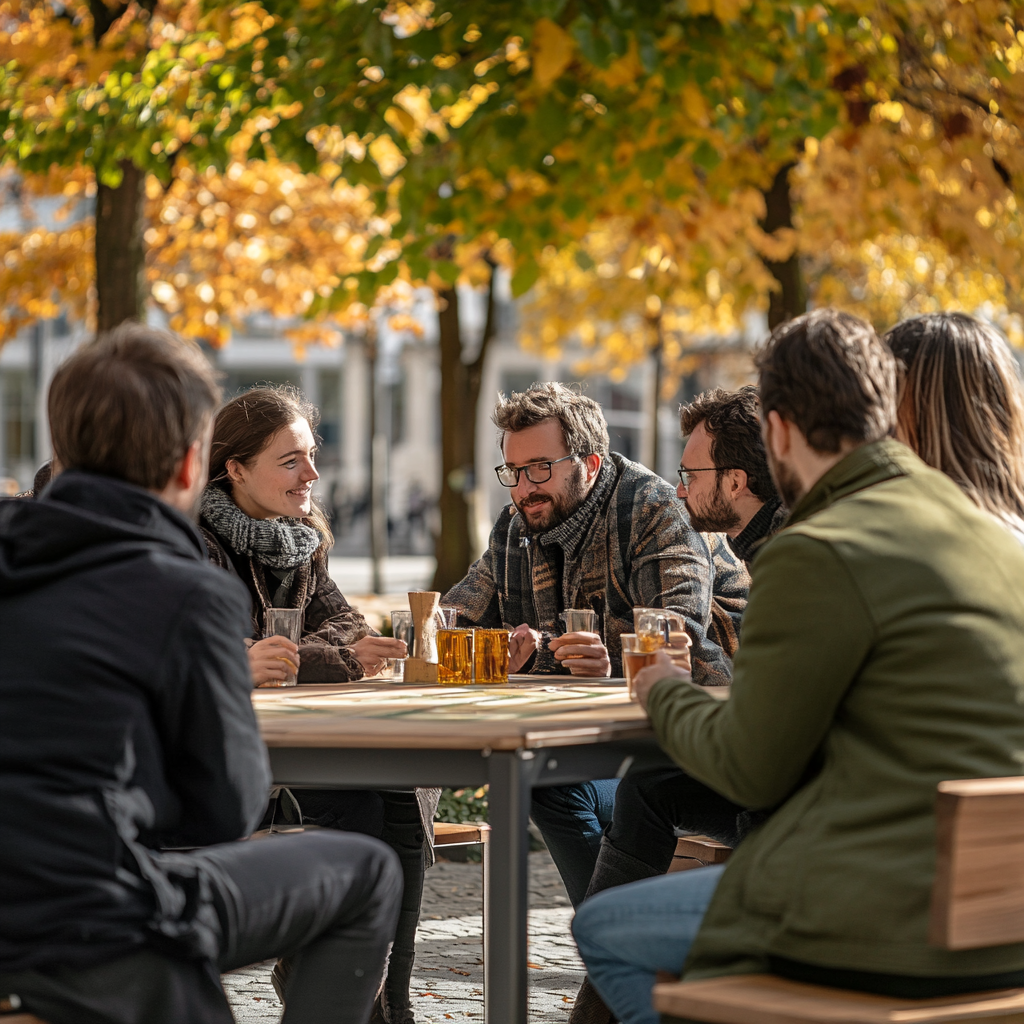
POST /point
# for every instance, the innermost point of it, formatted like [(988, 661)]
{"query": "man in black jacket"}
[(126, 729)]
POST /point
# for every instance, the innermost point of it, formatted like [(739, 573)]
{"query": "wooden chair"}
[(977, 901), (445, 834), (698, 852)]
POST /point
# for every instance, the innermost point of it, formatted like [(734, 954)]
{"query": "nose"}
[(680, 490), (524, 488), (310, 474)]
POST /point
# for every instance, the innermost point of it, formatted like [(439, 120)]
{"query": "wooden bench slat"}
[(767, 999), (451, 834)]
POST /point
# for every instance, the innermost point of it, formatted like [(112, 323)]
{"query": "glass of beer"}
[(635, 656), (454, 657), (286, 622), (656, 628), (490, 657)]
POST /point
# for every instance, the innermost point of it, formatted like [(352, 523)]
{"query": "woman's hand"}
[(583, 654), (273, 660), (372, 651)]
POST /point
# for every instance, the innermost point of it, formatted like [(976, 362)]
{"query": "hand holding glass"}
[(286, 622)]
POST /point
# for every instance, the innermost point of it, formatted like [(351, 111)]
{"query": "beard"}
[(560, 506), (717, 516), (786, 481)]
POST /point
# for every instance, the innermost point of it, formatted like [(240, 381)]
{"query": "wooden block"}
[(21, 1018), (978, 894), (767, 999), (448, 833), (702, 849), (419, 671)]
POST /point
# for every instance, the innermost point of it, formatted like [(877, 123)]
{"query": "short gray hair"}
[(583, 424)]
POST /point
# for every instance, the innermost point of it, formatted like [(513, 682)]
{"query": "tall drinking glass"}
[(401, 629), (286, 622), (447, 617), (579, 620), (490, 658), (454, 657), (634, 658)]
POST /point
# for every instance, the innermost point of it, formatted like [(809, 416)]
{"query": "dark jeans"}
[(572, 819), (639, 814), (328, 900), (653, 803)]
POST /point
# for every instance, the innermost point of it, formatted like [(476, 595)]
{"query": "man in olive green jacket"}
[(883, 651)]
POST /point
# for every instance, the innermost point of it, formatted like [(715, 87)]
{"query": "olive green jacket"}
[(883, 651)]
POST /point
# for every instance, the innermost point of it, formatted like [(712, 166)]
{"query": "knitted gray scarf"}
[(278, 543)]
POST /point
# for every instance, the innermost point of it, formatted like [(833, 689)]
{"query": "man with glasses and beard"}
[(589, 529)]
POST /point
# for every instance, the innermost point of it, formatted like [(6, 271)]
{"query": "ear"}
[(593, 465), (192, 465), (778, 435), (234, 470), (737, 480)]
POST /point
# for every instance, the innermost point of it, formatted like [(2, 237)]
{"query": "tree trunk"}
[(120, 254), (460, 395), (790, 299)]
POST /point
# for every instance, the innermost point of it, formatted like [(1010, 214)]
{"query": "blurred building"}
[(405, 382)]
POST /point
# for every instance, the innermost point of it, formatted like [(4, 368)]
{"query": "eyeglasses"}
[(685, 474), (536, 472)]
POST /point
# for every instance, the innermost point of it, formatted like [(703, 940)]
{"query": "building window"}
[(19, 421), (329, 388)]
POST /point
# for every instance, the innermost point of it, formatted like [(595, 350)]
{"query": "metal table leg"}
[(505, 892)]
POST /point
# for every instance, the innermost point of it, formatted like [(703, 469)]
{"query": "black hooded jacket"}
[(125, 725)]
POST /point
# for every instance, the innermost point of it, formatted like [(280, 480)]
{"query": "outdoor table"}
[(549, 731)]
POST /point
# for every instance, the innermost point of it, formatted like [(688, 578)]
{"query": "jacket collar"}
[(767, 520), (865, 466)]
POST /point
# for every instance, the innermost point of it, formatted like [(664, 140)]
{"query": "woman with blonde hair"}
[(961, 408)]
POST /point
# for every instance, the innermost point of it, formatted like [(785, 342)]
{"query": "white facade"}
[(339, 381)]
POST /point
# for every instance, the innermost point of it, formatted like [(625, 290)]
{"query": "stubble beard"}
[(786, 481), (562, 505), (717, 516)]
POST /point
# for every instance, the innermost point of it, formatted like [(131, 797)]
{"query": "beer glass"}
[(286, 622), (579, 620), (490, 658), (454, 657), (656, 627), (635, 657)]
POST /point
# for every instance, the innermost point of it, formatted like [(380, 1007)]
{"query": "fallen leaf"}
[(536, 967), (455, 970)]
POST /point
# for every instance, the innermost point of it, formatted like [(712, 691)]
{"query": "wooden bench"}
[(445, 834), (977, 901), (698, 852)]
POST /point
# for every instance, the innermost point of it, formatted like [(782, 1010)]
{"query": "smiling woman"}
[(262, 523)]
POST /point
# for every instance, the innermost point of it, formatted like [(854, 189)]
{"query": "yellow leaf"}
[(552, 50), (727, 10), (694, 104)]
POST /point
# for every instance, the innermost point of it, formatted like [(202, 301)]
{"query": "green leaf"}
[(447, 271), (525, 277), (706, 156)]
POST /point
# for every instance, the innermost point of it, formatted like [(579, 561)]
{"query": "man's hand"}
[(662, 668), (522, 642), (582, 653), (273, 660), (371, 652)]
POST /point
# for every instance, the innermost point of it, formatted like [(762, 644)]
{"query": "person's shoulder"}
[(642, 486)]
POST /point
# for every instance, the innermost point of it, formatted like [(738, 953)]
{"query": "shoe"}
[(279, 977), (589, 1007)]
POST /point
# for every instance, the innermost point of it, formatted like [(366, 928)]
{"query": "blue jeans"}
[(572, 819), (627, 934)]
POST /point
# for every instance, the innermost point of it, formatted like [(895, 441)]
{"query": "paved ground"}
[(448, 978)]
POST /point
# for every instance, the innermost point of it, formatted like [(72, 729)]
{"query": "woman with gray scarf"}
[(260, 522)]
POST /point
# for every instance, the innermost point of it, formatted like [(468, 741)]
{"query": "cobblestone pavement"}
[(448, 977)]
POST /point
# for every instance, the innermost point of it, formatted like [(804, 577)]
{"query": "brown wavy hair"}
[(961, 406), (244, 427)]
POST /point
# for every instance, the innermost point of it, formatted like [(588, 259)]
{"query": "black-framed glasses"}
[(536, 472), (685, 474)]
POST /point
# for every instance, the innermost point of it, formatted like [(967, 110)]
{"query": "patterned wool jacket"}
[(629, 545)]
